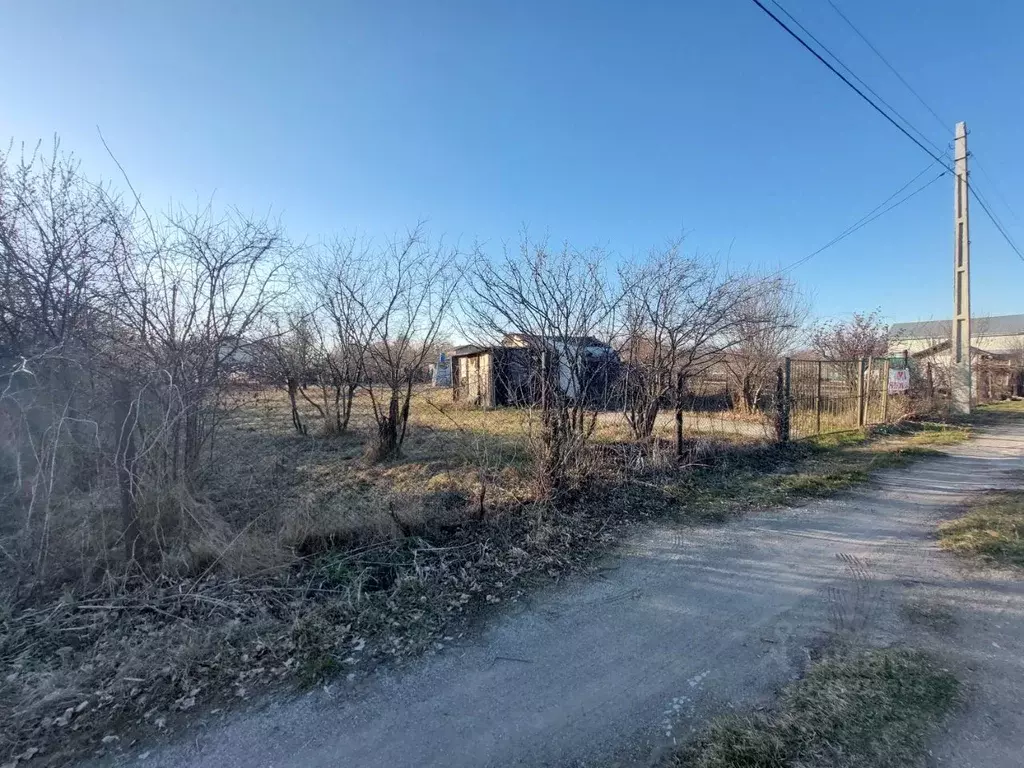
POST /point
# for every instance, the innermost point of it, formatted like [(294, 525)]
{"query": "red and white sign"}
[(899, 380)]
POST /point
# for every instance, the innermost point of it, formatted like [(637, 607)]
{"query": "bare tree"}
[(289, 355), (58, 252), (557, 305), (401, 299), (1015, 348), (863, 335), (680, 314), (769, 323), (340, 278)]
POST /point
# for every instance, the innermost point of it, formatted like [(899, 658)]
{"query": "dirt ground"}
[(681, 625)]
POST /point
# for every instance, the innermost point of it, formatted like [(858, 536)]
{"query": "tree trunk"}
[(338, 428), (125, 458), (293, 392), (680, 392), (749, 394), (350, 396), (387, 432)]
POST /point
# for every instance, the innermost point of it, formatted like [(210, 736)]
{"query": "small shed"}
[(492, 376)]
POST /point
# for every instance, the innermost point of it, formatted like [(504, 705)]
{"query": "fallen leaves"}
[(155, 652)]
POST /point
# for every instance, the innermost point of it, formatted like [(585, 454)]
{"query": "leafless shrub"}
[(59, 250), (400, 297), (769, 323), (339, 277), (863, 335), (681, 314), (120, 333), (558, 306)]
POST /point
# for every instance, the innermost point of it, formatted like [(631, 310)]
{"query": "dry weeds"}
[(304, 563)]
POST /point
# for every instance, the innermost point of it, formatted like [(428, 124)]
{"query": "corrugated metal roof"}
[(1001, 325)]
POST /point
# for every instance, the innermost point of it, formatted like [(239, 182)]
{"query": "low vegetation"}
[(991, 530), (759, 476), (867, 709), (333, 565)]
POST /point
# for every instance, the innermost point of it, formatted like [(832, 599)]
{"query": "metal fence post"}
[(860, 392), (782, 403), (885, 391), (817, 403), (789, 397)]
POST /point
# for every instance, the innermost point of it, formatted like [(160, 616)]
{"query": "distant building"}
[(997, 353), (1001, 334), (441, 371)]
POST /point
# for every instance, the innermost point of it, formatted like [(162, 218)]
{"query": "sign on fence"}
[(899, 380)]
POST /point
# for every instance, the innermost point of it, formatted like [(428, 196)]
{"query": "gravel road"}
[(683, 624)]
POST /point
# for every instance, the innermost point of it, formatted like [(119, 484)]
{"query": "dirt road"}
[(683, 624)]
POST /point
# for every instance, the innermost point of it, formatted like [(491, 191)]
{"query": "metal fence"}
[(822, 396)]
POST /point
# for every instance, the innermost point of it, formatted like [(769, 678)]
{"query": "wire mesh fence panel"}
[(837, 395), (824, 396), (716, 407)]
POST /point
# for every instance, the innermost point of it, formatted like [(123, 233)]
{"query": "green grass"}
[(1005, 406), (805, 469), (939, 434), (872, 709), (995, 413), (821, 484), (991, 531)]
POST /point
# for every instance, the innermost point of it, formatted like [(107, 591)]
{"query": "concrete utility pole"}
[(960, 370)]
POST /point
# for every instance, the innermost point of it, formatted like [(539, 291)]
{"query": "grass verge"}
[(870, 708), (739, 480), (992, 530)]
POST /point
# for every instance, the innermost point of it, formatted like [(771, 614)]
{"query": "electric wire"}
[(857, 90), (875, 213), (854, 75)]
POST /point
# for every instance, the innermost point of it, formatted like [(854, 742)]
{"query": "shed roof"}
[(468, 349), (573, 341)]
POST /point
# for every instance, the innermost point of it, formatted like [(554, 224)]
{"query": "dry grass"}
[(871, 709), (303, 561), (992, 530)]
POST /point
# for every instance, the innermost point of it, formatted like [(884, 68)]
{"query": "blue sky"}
[(611, 123)]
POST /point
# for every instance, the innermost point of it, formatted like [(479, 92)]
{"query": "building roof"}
[(1001, 325), (573, 341), (943, 346), (467, 349)]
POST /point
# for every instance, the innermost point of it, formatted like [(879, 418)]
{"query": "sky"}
[(615, 124)]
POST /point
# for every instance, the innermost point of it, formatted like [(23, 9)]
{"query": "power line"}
[(945, 126), (854, 75), (995, 188), (995, 221), (867, 218), (857, 90), (999, 227)]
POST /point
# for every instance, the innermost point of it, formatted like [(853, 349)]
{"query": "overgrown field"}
[(303, 561)]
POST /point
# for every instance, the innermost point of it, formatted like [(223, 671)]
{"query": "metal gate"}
[(837, 395)]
